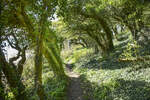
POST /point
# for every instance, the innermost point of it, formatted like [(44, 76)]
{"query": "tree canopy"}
[(47, 29)]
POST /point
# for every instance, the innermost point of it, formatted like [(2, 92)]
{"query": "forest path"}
[(74, 90)]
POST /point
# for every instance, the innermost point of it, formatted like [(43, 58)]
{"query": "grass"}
[(54, 89), (73, 56), (110, 79), (102, 78)]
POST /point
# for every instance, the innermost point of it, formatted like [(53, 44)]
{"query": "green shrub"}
[(131, 51)]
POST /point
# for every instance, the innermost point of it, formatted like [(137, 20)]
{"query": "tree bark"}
[(55, 62), (11, 75), (2, 93), (103, 48), (38, 68), (39, 59), (105, 27), (1, 84), (13, 79)]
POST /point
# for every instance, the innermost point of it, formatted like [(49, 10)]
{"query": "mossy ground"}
[(101, 78), (111, 79)]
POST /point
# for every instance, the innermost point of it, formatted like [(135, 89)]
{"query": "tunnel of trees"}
[(44, 42)]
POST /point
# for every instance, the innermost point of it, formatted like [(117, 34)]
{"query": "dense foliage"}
[(105, 41)]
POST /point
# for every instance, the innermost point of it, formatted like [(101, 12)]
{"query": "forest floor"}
[(75, 91), (96, 78)]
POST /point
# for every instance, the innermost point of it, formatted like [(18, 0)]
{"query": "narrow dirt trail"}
[(74, 90)]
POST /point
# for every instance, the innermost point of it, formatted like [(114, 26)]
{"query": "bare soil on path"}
[(74, 90)]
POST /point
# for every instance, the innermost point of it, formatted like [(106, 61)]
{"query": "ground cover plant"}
[(74, 50)]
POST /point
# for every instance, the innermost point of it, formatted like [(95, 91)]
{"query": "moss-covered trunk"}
[(55, 61), (39, 59), (108, 34), (97, 39), (38, 68), (1, 84), (2, 94), (104, 25), (13, 79)]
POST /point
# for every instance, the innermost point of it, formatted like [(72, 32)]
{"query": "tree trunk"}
[(1, 84), (108, 34), (12, 76), (55, 62), (96, 50), (2, 93), (103, 48), (132, 30), (38, 61), (38, 68), (104, 25), (13, 79)]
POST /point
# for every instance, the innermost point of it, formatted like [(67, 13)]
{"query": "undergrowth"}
[(111, 79), (55, 89)]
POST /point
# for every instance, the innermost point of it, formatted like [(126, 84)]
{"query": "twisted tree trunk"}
[(105, 27), (39, 59), (13, 79)]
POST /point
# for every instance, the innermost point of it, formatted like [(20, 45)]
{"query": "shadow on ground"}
[(111, 62), (74, 89), (118, 89)]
